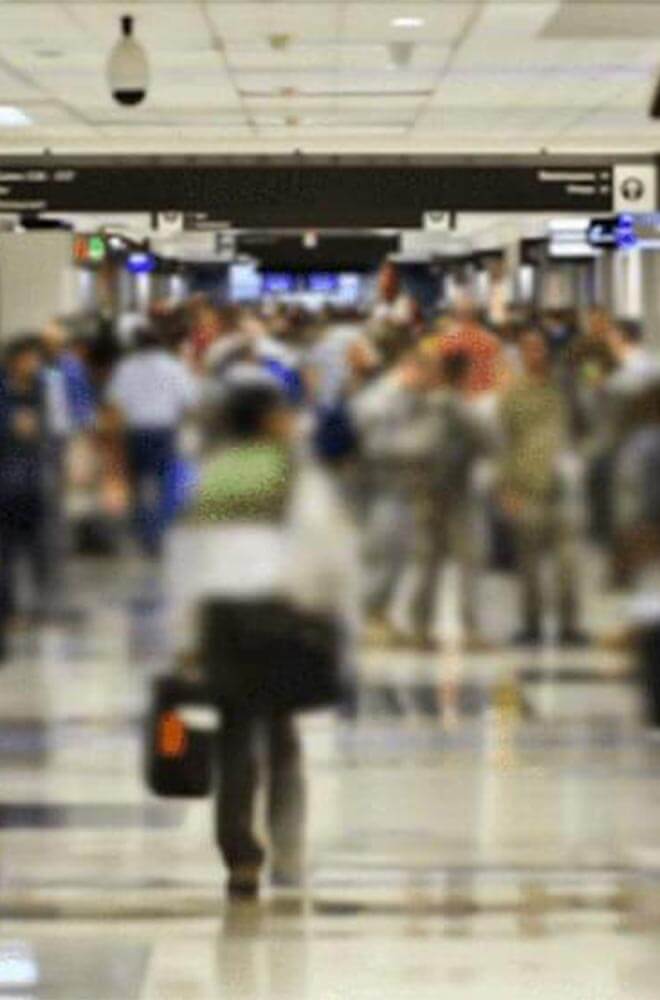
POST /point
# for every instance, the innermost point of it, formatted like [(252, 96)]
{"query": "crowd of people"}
[(345, 459), (447, 439)]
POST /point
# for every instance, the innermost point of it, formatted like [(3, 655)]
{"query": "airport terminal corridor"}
[(445, 441), (478, 799), (329, 499)]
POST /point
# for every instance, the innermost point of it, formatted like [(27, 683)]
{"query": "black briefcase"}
[(268, 656), (179, 757)]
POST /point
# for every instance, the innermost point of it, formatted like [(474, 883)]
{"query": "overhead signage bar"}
[(296, 193), (330, 253), (569, 240), (204, 222)]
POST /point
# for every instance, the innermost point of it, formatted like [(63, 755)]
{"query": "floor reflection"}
[(476, 823)]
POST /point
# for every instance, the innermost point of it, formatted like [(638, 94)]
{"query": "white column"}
[(604, 280), (628, 298), (650, 260), (557, 287), (38, 280)]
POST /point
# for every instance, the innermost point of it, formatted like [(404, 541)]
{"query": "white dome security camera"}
[(128, 68)]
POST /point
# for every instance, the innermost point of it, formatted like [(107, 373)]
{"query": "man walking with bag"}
[(264, 526)]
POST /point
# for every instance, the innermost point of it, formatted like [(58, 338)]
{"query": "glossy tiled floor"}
[(485, 827)]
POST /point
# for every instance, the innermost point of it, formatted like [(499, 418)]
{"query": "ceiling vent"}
[(401, 54)]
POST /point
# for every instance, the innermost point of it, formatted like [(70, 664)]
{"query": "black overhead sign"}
[(296, 193), (204, 222), (329, 253), (603, 232)]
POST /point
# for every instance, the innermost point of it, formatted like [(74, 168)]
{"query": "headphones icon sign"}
[(633, 189)]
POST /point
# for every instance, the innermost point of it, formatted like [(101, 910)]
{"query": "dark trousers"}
[(250, 746), (151, 456), (443, 528), (540, 532), (23, 538), (648, 651), (600, 494)]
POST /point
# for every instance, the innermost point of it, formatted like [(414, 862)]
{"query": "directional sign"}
[(204, 222), (636, 188), (603, 232), (437, 222), (169, 223), (301, 193), (615, 232)]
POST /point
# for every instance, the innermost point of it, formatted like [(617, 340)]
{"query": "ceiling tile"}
[(246, 20), (314, 83), (176, 24), (344, 110), (621, 121), (15, 89), (377, 57), (168, 132), (481, 53), (52, 113), (513, 19), (339, 129), (604, 19), (27, 24), (442, 22), (263, 59), (542, 87)]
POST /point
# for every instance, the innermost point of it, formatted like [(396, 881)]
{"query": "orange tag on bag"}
[(172, 736)]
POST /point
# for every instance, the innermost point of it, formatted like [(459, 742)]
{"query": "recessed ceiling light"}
[(11, 117), (408, 22)]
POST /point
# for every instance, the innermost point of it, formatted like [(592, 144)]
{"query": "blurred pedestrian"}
[(534, 493), (444, 505), (151, 392), (205, 326), (394, 429), (60, 358), (394, 321), (637, 519), (72, 402), (468, 336), (265, 523), (24, 416)]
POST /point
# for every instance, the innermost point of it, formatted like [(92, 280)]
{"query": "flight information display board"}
[(296, 193), (277, 283)]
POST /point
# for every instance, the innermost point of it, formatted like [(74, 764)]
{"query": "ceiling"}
[(485, 76)]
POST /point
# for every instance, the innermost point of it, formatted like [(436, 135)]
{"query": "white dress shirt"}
[(153, 390)]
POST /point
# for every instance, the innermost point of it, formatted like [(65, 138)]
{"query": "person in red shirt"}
[(467, 337)]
